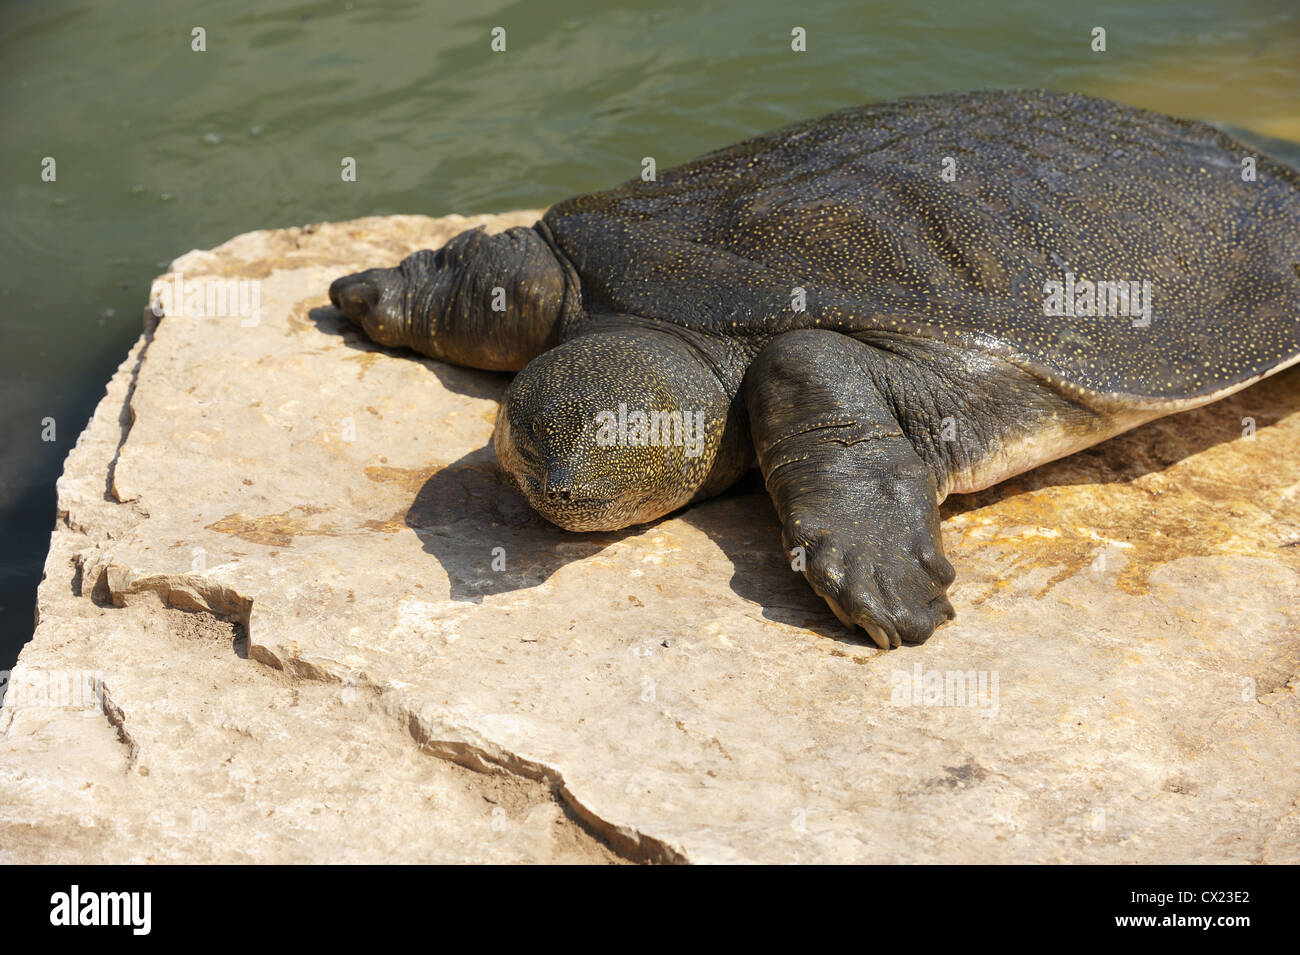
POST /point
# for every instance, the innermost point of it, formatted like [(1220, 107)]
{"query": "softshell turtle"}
[(879, 307)]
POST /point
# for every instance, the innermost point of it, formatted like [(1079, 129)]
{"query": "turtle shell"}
[(958, 217)]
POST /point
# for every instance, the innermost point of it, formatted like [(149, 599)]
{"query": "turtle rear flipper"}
[(858, 506)]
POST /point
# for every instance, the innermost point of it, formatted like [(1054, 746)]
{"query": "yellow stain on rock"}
[(273, 530), (410, 481), (1188, 485), (298, 317), (366, 359)]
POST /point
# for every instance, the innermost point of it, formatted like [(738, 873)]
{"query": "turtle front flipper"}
[(857, 504)]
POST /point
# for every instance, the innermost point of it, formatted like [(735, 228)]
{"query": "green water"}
[(160, 149)]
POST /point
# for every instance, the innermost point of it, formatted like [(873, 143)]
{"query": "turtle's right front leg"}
[(858, 506)]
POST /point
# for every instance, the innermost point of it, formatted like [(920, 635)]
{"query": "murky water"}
[(160, 149)]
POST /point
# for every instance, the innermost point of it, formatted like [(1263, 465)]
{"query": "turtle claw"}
[(893, 591), (874, 630)]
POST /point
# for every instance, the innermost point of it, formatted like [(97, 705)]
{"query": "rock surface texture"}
[(291, 612)]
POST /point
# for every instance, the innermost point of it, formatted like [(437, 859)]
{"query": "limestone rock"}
[(292, 612)]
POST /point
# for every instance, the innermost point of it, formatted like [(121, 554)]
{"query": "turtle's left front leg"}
[(858, 506)]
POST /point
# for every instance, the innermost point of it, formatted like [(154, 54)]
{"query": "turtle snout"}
[(354, 295), (374, 300), (558, 484)]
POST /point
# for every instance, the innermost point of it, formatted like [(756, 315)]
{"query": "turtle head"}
[(483, 301), (618, 427)]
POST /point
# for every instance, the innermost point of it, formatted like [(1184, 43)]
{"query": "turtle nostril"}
[(338, 287), (559, 484), (353, 296)]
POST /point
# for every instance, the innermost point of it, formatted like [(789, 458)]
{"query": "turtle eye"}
[(536, 427)]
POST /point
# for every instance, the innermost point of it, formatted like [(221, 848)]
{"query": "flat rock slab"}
[(292, 612)]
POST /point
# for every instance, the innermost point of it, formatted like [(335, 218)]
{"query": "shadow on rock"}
[(467, 510), (469, 382), (1155, 446), (743, 523), (486, 537)]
